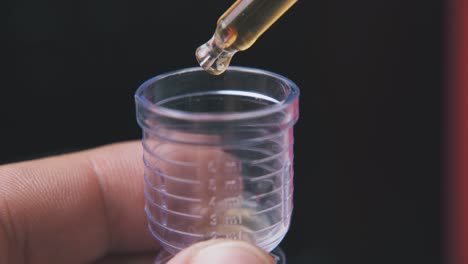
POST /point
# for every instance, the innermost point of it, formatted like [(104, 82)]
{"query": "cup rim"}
[(230, 116)]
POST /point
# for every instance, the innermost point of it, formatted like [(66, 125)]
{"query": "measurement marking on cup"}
[(232, 185), (227, 167), (234, 219), (165, 209), (261, 195), (270, 227), (212, 202), (164, 192), (165, 176), (267, 156), (212, 166), (159, 156), (266, 176), (212, 184), (268, 209), (154, 221), (232, 167), (235, 235), (213, 220), (232, 202)]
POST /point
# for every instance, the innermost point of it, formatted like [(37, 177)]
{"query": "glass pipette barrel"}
[(237, 30)]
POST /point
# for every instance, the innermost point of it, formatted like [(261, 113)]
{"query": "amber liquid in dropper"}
[(238, 29)]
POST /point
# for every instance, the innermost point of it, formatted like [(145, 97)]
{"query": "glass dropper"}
[(237, 30)]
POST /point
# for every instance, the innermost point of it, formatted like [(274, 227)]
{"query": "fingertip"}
[(222, 251)]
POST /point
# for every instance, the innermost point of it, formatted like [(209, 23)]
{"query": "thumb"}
[(222, 251)]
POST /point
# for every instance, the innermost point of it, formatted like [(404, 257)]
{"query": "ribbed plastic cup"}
[(218, 155)]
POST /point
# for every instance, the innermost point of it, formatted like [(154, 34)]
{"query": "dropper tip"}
[(212, 58)]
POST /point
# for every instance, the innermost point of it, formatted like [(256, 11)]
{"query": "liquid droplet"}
[(214, 59)]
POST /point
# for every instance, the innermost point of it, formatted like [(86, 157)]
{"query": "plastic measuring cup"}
[(218, 155)]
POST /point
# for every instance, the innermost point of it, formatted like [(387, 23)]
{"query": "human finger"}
[(139, 258), (222, 251), (73, 208)]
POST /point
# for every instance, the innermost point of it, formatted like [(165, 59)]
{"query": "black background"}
[(368, 141)]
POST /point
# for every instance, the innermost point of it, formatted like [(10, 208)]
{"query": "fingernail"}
[(231, 252)]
